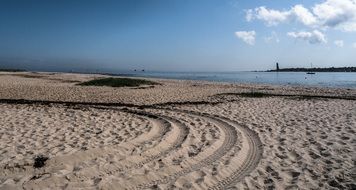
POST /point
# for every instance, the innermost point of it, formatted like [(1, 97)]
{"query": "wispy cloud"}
[(354, 45), (337, 14), (314, 37), (247, 36), (272, 38), (269, 16), (339, 43)]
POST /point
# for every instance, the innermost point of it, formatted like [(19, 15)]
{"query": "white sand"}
[(242, 143)]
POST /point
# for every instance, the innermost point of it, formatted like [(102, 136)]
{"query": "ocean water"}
[(323, 79)]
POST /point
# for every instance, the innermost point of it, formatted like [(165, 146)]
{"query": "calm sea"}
[(324, 79)]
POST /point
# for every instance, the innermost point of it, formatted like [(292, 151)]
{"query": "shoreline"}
[(133, 75)]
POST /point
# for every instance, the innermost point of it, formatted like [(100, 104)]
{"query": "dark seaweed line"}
[(301, 96), (65, 103), (117, 104)]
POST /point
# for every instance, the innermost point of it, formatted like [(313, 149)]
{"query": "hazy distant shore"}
[(178, 134), (12, 70), (328, 69)]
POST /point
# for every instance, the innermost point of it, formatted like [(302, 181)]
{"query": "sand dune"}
[(222, 142)]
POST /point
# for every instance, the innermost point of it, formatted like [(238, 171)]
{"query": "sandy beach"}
[(177, 135)]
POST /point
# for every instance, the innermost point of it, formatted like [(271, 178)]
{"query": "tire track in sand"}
[(165, 146), (229, 142), (160, 128), (250, 153)]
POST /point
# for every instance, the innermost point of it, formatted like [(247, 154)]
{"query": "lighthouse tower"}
[(277, 67)]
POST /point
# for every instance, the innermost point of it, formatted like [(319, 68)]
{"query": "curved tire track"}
[(250, 153), (182, 136), (228, 143)]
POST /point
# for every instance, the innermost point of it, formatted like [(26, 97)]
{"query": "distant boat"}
[(311, 67)]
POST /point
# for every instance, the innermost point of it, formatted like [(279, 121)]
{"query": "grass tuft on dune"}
[(118, 82)]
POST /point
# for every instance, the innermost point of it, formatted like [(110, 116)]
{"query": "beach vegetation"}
[(11, 70), (118, 82), (40, 161)]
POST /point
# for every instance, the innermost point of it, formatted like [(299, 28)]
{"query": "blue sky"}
[(176, 35)]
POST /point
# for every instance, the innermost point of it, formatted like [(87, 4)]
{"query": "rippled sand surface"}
[(177, 135)]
